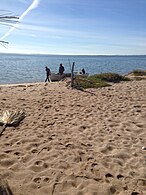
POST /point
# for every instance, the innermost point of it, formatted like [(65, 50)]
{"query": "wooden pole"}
[(72, 74)]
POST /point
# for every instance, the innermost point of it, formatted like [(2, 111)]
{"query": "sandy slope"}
[(73, 142)]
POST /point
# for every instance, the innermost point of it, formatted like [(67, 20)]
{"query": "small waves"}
[(16, 68)]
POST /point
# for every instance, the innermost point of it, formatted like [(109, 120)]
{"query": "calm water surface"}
[(16, 68)]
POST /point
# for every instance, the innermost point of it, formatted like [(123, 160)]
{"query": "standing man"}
[(48, 73), (61, 69), (83, 71)]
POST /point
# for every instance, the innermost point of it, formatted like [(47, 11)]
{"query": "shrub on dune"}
[(139, 72), (89, 82), (109, 77)]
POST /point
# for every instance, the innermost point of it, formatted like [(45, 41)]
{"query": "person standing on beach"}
[(48, 73), (83, 71), (61, 69)]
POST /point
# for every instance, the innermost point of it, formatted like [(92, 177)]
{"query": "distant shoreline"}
[(88, 55)]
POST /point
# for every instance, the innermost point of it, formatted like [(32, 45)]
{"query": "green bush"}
[(98, 80), (109, 77), (139, 72), (85, 83)]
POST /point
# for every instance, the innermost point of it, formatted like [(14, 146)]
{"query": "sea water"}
[(18, 68)]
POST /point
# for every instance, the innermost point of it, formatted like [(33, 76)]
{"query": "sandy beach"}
[(74, 142)]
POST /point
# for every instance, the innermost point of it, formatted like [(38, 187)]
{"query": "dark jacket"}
[(61, 69)]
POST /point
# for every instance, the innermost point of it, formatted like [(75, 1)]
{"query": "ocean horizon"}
[(28, 68)]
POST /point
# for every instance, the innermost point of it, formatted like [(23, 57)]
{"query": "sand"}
[(73, 142)]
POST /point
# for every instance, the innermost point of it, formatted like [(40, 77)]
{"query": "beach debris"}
[(9, 118), (8, 19), (144, 148), (4, 187), (4, 43)]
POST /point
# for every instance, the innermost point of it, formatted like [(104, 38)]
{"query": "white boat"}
[(54, 77), (78, 73), (58, 77)]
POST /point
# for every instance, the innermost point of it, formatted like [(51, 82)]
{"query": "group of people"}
[(48, 72), (61, 71)]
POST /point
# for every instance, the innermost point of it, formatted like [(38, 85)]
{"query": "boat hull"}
[(58, 77)]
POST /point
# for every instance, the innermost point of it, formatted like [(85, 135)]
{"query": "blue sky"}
[(90, 27)]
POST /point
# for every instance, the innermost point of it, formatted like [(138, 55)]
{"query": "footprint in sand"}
[(37, 180), (38, 166), (41, 179), (135, 193), (120, 176)]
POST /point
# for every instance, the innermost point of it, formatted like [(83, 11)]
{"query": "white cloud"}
[(34, 5)]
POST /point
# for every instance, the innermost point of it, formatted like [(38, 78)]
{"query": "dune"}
[(75, 142)]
